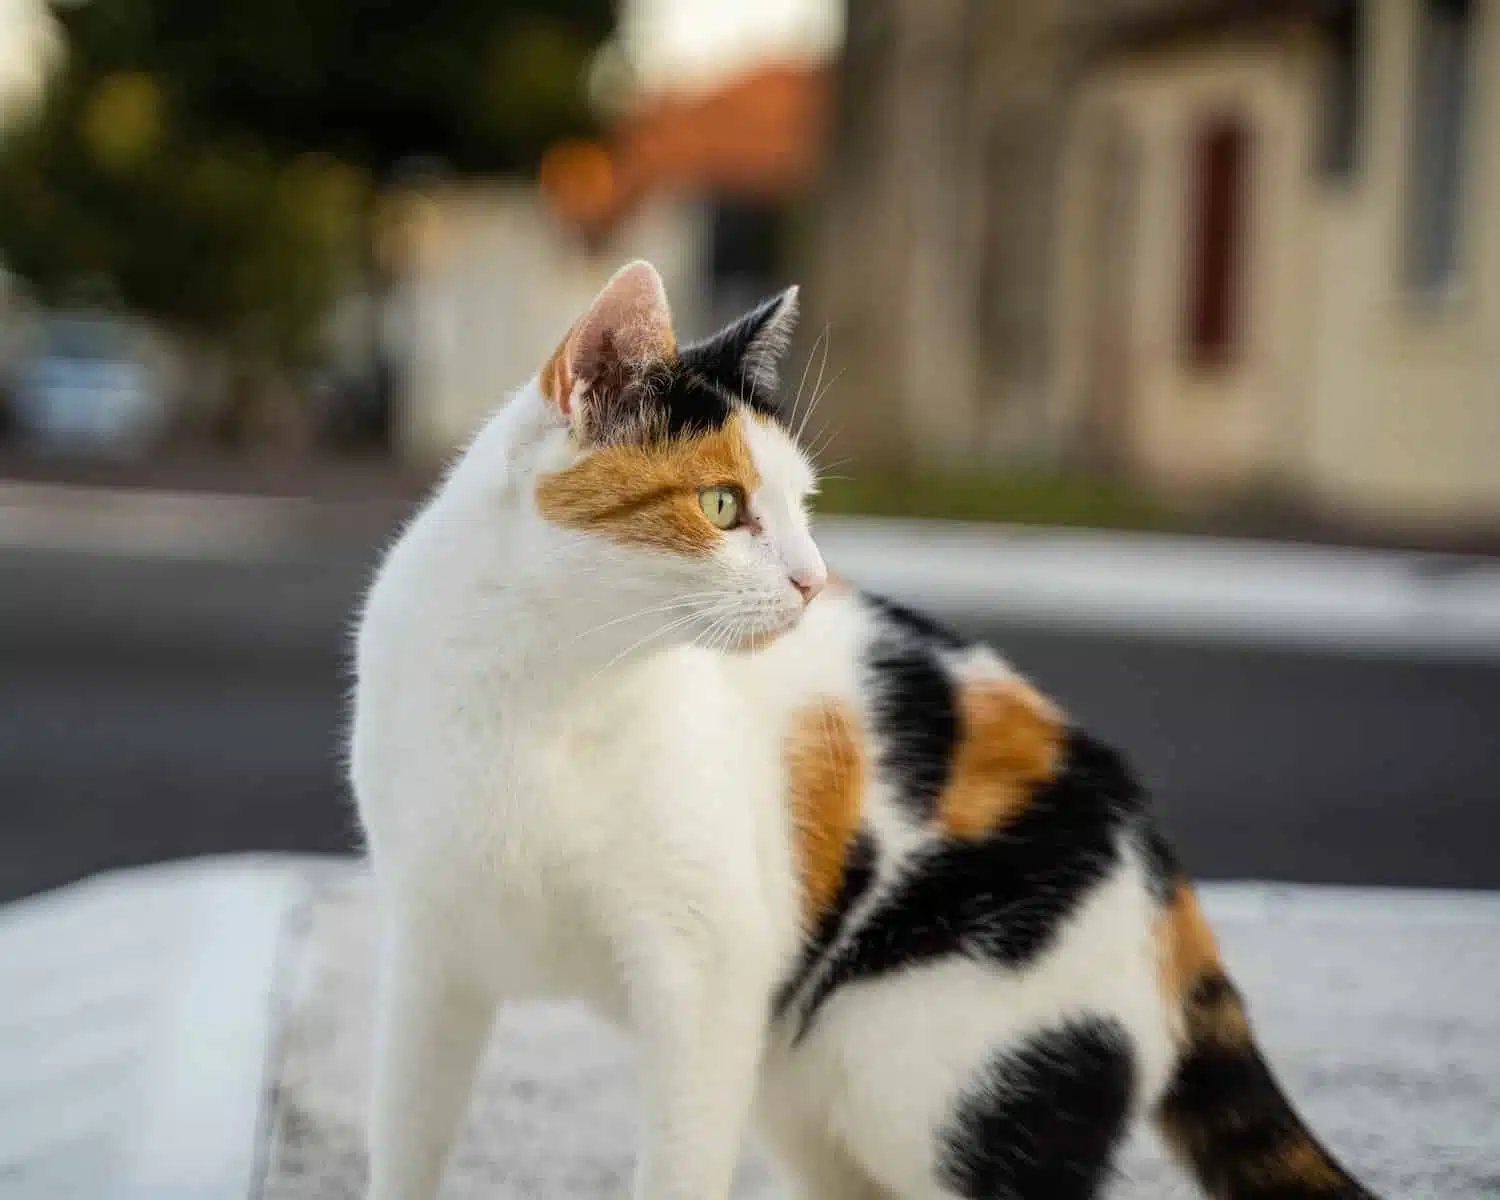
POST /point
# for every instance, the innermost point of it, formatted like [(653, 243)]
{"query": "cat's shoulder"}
[(936, 691)]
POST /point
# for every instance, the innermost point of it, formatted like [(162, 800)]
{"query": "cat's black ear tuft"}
[(745, 355)]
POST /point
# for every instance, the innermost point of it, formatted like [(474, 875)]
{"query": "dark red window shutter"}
[(1215, 294)]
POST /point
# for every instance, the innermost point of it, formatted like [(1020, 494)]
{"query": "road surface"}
[(159, 705)]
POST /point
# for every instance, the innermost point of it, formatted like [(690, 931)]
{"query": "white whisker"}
[(817, 387), (802, 383)]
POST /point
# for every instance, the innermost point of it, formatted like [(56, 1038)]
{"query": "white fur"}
[(879, 1074), (564, 796), (569, 792)]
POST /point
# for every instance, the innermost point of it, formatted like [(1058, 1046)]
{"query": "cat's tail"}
[(1224, 1114)]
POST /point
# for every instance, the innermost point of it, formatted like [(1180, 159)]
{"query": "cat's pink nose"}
[(809, 583)]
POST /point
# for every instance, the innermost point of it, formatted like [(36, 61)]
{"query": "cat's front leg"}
[(431, 1023), (699, 1004)]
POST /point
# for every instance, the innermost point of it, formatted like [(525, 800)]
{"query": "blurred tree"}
[(218, 164), (482, 84)]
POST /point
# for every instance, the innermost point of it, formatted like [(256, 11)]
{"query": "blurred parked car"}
[(84, 386)]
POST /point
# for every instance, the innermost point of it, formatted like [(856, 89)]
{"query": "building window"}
[(1438, 134), (1219, 179), (1343, 92)]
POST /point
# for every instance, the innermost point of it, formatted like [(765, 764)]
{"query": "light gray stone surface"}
[(1380, 1009), (201, 1032), (137, 1010)]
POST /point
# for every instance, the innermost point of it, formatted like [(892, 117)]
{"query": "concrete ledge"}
[(201, 1030), (138, 1013)]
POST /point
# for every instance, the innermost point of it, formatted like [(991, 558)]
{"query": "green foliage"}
[(214, 162), (483, 84), (210, 235)]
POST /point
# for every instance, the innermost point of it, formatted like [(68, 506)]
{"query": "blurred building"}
[(492, 279), (727, 102), (699, 172), (1215, 245), (746, 149)]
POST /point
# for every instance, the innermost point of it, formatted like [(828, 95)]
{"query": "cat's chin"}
[(751, 643), (755, 642)]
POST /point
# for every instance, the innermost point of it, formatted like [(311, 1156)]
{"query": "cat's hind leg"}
[(943, 1092), (432, 1019), (1043, 1118)]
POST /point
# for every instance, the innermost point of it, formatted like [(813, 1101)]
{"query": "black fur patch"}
[(917, 624), (1045, 1119), (859, 873), (916, 716), (737, 360), (1212, 994), (1003, 898), (693, 402), (1225, 1110), (693, 394), (1227, 1114)]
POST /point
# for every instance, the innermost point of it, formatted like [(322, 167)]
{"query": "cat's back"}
[(952, 807), (967, 853)]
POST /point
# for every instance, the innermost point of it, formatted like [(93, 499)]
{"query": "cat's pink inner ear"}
[(628, 325)]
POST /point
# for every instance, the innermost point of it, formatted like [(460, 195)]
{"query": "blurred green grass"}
[(1013, 497)]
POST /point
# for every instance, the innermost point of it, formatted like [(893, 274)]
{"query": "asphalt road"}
[(151, 709)]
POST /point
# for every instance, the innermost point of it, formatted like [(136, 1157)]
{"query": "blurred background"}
[(1192, 308)]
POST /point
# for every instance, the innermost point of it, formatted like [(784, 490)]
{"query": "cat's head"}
[(679, 468)]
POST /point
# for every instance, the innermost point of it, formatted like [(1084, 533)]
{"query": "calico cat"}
[(617, 735)]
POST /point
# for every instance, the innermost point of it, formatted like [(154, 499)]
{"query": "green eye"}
[(721, 505)]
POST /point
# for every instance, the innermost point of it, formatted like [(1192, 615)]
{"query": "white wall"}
[(1408, 416), (1375, 402), (498, 284), (1192, 426)]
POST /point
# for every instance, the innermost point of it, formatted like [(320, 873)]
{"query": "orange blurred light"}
[(578, 179)]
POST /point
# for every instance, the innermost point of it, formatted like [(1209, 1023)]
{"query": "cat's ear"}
[(626, 331), (745, 356)]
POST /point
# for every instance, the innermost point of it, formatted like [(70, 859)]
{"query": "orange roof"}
[(761, 134)]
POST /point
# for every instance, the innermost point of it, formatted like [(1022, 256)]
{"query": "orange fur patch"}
[(825, 764), (1304, 1161), (1188, 948), (648, 495), (1010, 743), (1188, 954), (556, 377)]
